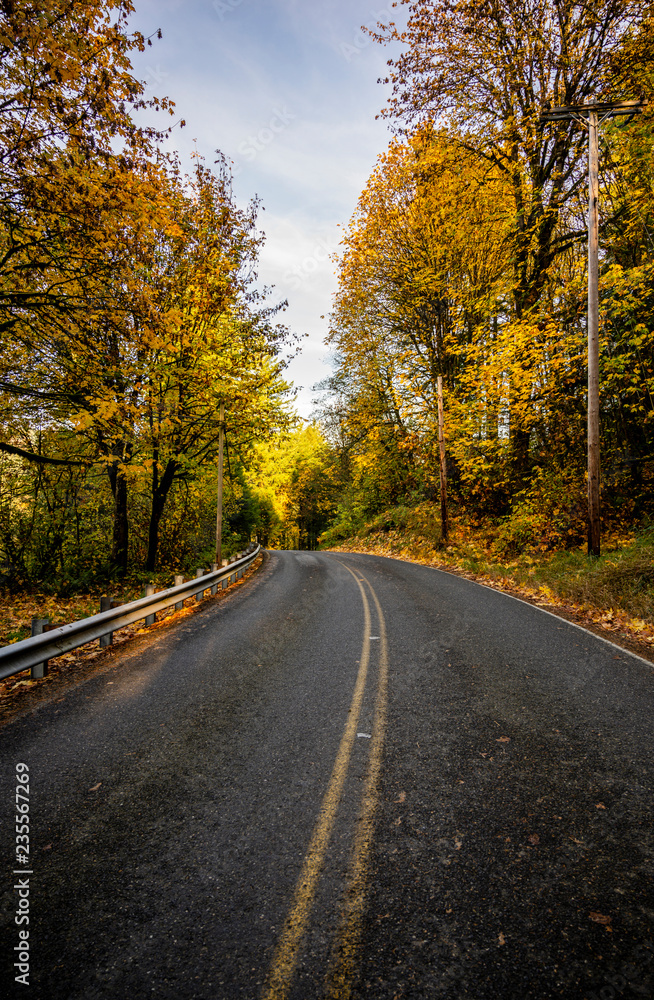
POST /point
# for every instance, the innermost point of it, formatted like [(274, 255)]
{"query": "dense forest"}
[(129, 311), (467, 259), (130, 307)]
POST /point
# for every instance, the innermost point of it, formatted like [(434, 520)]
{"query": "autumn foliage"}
[(128, 310), (466, 258)]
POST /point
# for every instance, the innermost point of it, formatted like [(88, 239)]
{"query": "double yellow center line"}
[(345, 947)]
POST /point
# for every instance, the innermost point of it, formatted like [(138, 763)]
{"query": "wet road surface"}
[(356, 777)]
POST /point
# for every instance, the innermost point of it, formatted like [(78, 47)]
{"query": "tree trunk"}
[(520, 451), (443, 464), (120, 550), (120, 540), (153, 532), (160, 491)]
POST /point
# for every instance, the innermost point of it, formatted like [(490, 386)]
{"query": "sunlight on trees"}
[(128, 310), (466, 258), (129, 304)]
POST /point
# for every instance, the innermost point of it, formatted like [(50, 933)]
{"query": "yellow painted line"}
[(286, 953), (348, 935)]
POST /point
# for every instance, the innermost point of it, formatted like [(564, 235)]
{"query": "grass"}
[(615, 591)]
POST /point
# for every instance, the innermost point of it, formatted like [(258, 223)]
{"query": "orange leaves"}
[(464, 260), (600, 918)]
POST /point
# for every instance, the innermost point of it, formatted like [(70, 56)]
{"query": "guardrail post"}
[(179, 580), (149, 591), (214, 588), (225, 583), (39, 670), (20, 656), (200, 595), (105, 605)]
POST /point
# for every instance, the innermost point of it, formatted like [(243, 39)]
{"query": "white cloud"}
[(287, 90)]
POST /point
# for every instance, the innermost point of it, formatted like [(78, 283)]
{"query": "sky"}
[(288, 91)]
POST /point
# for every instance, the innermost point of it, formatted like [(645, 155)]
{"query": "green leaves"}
[(128, 301)]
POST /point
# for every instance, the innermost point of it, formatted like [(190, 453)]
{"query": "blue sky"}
[(288, 91)]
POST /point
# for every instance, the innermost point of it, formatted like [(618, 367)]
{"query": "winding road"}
[(354, 778)]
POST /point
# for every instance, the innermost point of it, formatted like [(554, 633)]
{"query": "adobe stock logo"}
[(225, 7), (154, 77), (301, 272), (362, 40), (255, 144)]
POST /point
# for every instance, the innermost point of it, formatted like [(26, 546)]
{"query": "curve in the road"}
[(208, 824)]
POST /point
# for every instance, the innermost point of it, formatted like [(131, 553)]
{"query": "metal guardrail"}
[(30, 652)]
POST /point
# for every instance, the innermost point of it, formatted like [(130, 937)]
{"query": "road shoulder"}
[(19, 695)]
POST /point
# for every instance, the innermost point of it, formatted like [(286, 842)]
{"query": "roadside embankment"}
[(612, 595)]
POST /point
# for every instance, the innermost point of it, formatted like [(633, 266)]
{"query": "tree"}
[(142, 375), (423, 269), (297, 482), (486, 70), (128, 306), (210, 338), (79, 368), (68, 93)]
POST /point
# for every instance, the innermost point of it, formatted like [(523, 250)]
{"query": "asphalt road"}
[(356, 777)]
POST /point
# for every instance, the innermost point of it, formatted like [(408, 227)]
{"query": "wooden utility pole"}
[(441, 450), (591, 117), (219, 511), (593, 341)]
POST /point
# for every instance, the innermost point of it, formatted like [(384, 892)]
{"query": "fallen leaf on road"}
[(48, 847), (95, 787), (600, 805), (534, 839), (504, 739), (598, 918), (402, 797), (501, 939)]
